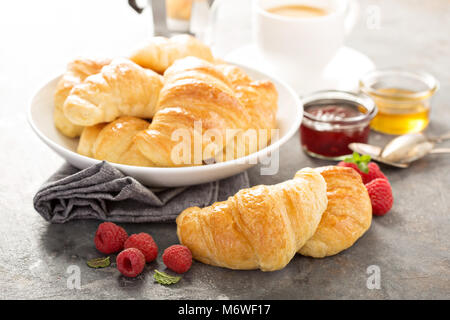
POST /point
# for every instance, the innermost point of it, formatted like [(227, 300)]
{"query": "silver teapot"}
[(178, 16)]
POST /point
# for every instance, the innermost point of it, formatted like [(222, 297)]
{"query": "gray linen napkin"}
[(103, 192)]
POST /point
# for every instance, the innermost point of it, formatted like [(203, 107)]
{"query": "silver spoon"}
[(410, 147), (374, 153), (404, 149)]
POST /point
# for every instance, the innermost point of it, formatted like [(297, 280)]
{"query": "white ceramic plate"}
[(290, 112)]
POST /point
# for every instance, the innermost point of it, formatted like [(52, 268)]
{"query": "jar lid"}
[(415, 85), (331, 97)]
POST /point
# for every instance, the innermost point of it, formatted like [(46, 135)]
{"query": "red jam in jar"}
[(334, 119)]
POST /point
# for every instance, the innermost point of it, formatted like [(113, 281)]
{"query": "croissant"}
[(260, 101), (77, 71), (261, 227), (347, 217), (160, 52), (114, 141), (122, 88), (196, 99), (259, 97)]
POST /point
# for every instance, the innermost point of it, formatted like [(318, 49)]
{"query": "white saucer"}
[(342, 73)]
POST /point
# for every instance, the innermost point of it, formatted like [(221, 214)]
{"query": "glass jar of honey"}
[(334, 119), (402, 97)]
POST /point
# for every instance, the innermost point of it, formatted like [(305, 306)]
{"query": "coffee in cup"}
[(297, 11), (298, 38)]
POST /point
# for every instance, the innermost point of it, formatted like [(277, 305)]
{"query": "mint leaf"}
[(99, 262), (348, 159), (164, 278), (363, 167), (360, 160)]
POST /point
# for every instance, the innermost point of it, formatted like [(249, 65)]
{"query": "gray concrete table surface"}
[(410, 245)]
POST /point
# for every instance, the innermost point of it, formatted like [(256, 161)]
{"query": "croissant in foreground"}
[(260, 227), (318, 213), (348, 215)]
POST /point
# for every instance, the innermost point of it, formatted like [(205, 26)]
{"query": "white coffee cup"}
[(298, 49)]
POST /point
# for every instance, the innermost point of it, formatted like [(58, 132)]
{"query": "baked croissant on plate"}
[(77, 71), (196, 99), (260, 227), (122, 88), (114, 142), (159, 53), (348, 215), (260, 99)]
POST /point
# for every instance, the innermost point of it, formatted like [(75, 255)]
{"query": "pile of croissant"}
[(126, 110), (318, 213)]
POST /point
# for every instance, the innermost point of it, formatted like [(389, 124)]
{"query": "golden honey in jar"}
[(402, 98)]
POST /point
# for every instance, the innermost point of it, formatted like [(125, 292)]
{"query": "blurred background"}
[(38, 38)]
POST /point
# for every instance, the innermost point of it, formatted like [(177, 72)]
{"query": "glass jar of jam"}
[(334, 119), (402, 98)]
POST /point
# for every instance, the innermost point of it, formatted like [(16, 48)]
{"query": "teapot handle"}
[(159, 16), (134, 5)]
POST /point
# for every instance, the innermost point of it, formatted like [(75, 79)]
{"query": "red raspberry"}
[(130, 262), (349, 165), (145, 243), (177, 258), (110, 238), (380, 193), (374, 171)]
